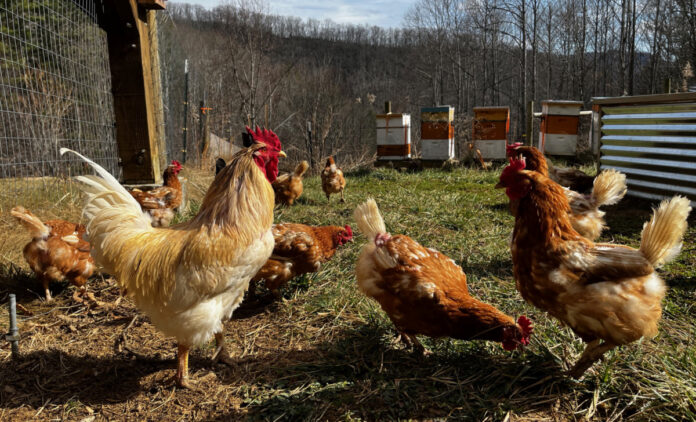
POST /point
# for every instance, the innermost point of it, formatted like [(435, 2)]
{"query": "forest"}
[(250, 66)]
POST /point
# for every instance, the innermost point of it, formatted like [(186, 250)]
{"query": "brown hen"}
[(425, 292), (160, 203), (288, 187), (608, 294), (56, 252), (299, 249), (332, 180)]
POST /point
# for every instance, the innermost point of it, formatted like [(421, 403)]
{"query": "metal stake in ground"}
[(13, 335)]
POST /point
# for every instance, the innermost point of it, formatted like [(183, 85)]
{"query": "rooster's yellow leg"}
[(221, 354), (181, 377)]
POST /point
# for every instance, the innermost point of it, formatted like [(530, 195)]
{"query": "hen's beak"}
[(499, 185), (282, 154)]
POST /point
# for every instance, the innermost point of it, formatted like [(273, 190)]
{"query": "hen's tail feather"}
[(369, 219), (609, 187), (32, 223), (301, 169), (661, 239)]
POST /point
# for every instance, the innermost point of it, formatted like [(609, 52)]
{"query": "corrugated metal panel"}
[(652, 139)]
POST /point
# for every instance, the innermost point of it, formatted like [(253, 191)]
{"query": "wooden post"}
[(133, 86), (387, 107), (157, 86), (529, 130)]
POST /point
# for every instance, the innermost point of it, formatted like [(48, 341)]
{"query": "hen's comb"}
[(176, 164), (527, 328), (348, 230), (517, 164), (265, 136), (510, 149)]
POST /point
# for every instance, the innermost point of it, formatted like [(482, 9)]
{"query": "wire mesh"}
[(54, 92)]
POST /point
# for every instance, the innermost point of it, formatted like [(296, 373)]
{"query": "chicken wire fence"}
[(55, 91)]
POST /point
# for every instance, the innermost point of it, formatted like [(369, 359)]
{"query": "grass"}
[(325, 352)]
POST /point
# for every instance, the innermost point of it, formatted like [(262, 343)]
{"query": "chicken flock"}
[(190, 277)]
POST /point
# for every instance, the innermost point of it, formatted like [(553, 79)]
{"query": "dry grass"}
[(325, 352)]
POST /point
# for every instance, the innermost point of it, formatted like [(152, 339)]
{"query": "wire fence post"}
[(186, 95), (13, 335)]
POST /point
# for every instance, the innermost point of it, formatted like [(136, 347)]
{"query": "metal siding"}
[(654, 144)]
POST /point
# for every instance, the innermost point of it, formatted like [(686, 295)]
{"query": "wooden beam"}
[(133, 88), (152, 4)]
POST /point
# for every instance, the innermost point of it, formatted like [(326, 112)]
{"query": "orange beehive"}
[(490, 131), (437, 133), (559, 127)]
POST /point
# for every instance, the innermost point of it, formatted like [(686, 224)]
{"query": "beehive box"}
[(490, 131), (437, 133), (559, 127), (393, 136)]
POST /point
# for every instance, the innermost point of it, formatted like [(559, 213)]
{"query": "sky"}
[(382, 13)]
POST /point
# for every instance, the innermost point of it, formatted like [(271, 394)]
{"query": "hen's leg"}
[(418, 346), (47, 291), (82, 292), (592, 353), (221, 354), (403, 338), (251, 293), (342, 200), (181, 377), (328, 197)]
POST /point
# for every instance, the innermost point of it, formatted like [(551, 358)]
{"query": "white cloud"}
[(370, 12)]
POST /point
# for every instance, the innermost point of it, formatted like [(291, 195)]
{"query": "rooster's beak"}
[(499, 185), (282, 154)]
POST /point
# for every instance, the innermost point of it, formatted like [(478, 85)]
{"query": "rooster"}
[(609, 187), (190, 277), (160, 203), (425, 292), (299, 249), (57, 251), (288, 187), (332, 180), (608, 294)]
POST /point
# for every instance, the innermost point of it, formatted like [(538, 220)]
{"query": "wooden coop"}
[(437, 133), (490, 131), (131, 29), (558, 133), (393, 137)]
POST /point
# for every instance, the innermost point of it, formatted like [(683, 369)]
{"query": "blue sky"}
[(372, 12)]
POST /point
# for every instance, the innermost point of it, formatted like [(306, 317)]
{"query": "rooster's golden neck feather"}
[(240, 190)]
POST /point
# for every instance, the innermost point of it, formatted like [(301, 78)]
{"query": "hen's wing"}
[(607, 262), (421, 272), (295, 242)]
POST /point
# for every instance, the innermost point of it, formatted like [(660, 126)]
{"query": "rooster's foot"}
[(221, 354)]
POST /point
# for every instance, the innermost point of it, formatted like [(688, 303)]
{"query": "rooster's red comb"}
[(176, 164), (265, 136), (348, 231), (510, 149)]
